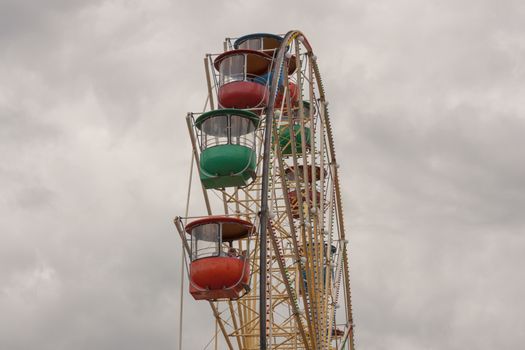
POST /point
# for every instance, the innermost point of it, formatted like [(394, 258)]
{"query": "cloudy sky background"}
[(427, 99)]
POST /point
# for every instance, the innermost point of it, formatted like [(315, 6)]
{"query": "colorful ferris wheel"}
[(273, 262)]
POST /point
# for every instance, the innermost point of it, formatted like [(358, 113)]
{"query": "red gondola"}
[(242, 79), (217, 270), (294, 202)]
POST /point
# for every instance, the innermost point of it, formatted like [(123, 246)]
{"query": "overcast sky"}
[(428, 103)]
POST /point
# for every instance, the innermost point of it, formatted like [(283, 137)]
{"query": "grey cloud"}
[(426, 100)]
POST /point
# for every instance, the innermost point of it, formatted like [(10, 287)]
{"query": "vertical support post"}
[(264, 224), (264, 195)]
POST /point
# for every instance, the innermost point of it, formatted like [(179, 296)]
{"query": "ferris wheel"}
[(273, 263)]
